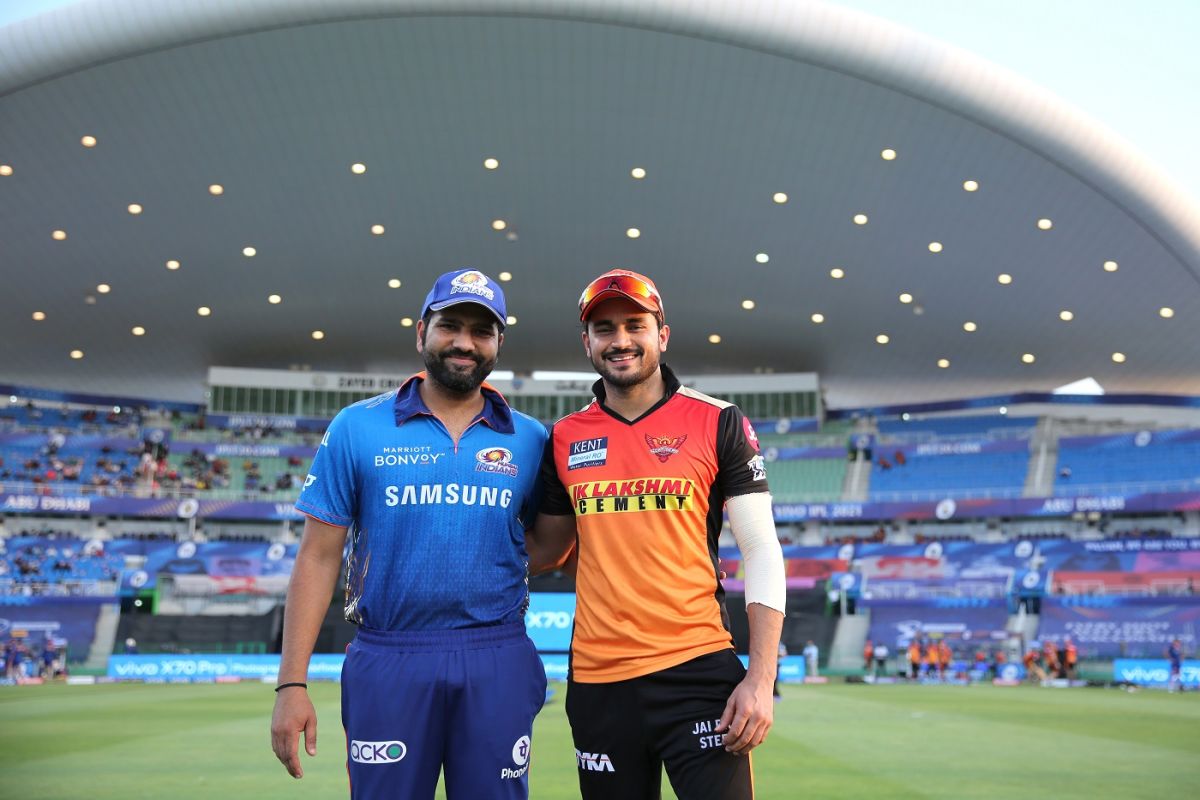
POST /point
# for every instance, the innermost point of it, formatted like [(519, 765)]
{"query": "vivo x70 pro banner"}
[(550, 620), (1154, 672)]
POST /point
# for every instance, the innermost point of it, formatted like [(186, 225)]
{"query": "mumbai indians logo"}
[(472, 282), (665, 446), (496, 459)]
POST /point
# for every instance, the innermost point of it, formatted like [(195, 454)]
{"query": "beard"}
[(629, 377), (455, 378)]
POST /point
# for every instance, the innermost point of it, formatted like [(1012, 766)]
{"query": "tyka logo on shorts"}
[(377, 752), (594, 762)]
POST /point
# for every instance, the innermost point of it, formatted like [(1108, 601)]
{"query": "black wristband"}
[(301, 684)]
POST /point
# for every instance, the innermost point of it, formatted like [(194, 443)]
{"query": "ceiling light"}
[(76, 354), (407, 322), (505, 276), (905, 297), (1110, 266), (1003, 410), (633, 233), (394, 283), (882, 338), (935, 247), (837, 273), (1066, 316), (38, 316), (818, 318), (971, 186), (6, 170), (860, 219), (318, 335), (779, 197), (1028, 358), (104, 288), (1166, 312), (499, 224), (714, 338), (1044, 224), (274, 299), (748, 305), (638, 173), (377, 230), (888, 155), (762, 258), (89, 299), (88, 141), (249, 252), (511, 236), (490, 163), (172, 264), (204, 311), (1004, 278), (357, 168), (510, 320), (970, 327), (138, 330), (1118, 358), (58, 236), (943, 363), (216, 189)]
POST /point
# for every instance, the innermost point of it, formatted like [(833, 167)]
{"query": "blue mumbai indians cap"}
[(467, 286)]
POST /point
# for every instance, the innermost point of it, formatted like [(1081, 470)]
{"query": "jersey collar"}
[(496, 414), (673, 386)]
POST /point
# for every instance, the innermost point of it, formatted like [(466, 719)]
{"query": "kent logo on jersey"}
[(588, 453), (641, 494)]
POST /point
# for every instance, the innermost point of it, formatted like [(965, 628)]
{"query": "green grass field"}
[(837, 741)]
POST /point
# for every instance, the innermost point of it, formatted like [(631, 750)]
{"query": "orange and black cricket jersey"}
[(648, 496)]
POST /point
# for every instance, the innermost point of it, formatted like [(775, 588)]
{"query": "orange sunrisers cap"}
[(621, 283)]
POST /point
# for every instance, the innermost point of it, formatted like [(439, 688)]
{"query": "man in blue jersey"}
[(435, 481)]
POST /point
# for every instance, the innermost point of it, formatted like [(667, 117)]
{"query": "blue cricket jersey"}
[(437, 532)]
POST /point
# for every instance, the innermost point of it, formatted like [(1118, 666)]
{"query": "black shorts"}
[(625, 732)]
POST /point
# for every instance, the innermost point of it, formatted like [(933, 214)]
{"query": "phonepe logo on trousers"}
[(520, 757), (377, 752)]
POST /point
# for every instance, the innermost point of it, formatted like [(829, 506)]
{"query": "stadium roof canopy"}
[(723, 105)]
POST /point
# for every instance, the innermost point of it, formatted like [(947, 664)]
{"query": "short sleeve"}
[(555, 499), (330, 492), (740, 466)]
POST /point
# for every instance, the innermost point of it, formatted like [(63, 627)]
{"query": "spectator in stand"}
[(868, 655), (914, 659), (899, 458), (1174, 654)]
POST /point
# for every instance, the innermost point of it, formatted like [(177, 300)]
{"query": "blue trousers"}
[(462, 702)]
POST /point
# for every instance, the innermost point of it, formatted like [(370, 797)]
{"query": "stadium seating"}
[(1160, 460)]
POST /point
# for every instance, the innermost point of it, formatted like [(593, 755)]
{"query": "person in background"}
[(1070, 657), (914, 659), (868, 655), (811, 658), (945, 656), (783, 653), (932, 659), (880, 653), (1174, 654)]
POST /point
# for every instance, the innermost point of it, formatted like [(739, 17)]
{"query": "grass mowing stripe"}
[(190, 742)]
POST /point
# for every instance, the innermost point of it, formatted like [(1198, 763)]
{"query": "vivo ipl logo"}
[(377, 752)]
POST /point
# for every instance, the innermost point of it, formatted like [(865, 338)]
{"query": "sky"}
[(1130, 65)]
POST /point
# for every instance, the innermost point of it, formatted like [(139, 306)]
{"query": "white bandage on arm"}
[(753, 527)]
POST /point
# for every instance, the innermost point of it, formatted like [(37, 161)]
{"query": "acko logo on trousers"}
[(377, 752)]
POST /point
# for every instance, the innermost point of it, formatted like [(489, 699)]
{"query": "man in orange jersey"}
[(914, 659), (1070, 657), (636, 482), (932, 658)]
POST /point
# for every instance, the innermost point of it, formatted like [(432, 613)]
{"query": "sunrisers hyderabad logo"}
[(472, 282), (665, 446), (496, 459)]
